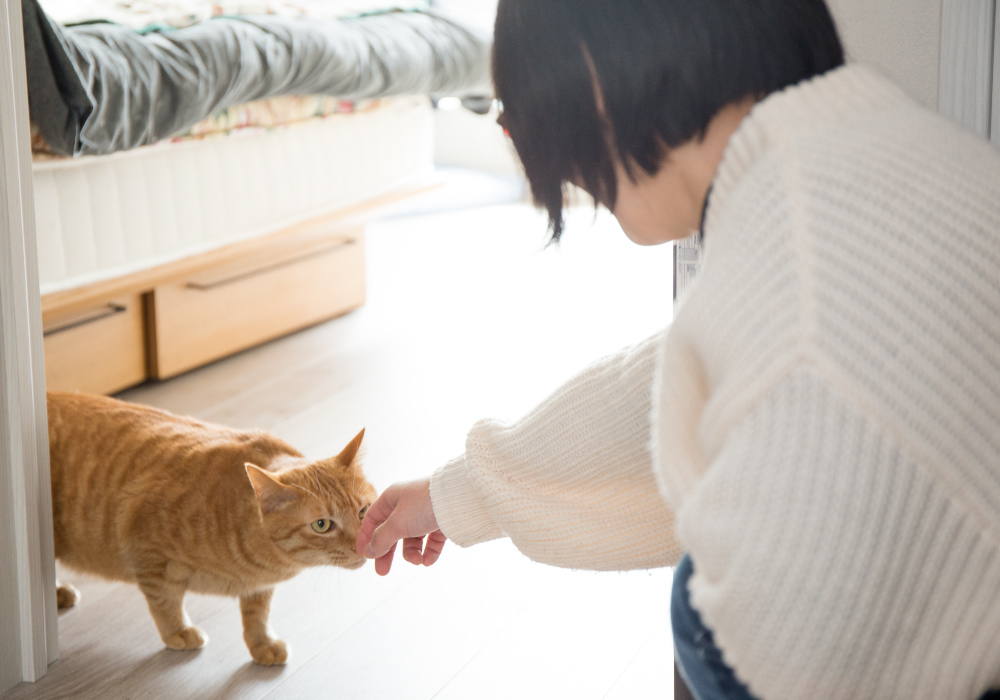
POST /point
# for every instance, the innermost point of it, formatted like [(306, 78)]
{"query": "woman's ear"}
[(272, 495)]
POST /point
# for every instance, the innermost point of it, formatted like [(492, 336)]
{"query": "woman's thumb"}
[(385, 536), (378, 515)]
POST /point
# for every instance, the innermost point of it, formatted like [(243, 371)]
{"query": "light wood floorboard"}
[(467, 317)]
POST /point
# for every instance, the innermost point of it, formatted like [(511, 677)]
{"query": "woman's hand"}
[(402, 512)]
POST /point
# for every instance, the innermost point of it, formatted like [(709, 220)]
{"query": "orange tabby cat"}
[(174, 505)]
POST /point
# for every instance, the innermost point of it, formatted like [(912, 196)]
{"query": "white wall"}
[(901, 38), (479, 12), (469, 140)]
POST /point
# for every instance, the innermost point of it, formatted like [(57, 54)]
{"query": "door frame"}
[(995, 103), (28, 623), (969, 85)]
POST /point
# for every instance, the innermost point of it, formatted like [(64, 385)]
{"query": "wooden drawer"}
[(98, 350), (228, 308)]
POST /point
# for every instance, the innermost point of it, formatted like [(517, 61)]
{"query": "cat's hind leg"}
[(66, 596), (265, 650), (165, 599)]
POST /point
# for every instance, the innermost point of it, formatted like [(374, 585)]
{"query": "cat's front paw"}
[(66, 596), (272, 653), (187, 638)]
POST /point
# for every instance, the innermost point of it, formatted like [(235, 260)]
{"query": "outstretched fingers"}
[(403, 512), (417, 551), (435, 543), (384, 562), (413, 549)]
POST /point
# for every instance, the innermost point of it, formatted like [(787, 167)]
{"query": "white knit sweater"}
[(820, 427)]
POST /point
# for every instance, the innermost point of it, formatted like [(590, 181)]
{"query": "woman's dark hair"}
[(664, 69)]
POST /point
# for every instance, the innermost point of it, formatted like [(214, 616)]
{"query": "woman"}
[(819, 430)]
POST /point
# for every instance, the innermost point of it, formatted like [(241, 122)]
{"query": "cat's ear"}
[(350, 453), (272, 495)]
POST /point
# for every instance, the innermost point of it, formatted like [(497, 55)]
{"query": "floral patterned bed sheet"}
[(247, 118)]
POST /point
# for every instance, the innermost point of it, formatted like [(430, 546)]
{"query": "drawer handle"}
[(212, 283), (83, 318)]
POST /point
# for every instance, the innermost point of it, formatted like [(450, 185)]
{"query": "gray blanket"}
[(100, 88)]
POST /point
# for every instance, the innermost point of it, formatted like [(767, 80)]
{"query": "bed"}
[(202, 179)]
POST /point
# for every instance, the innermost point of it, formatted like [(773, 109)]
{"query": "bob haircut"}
[(664, 69)]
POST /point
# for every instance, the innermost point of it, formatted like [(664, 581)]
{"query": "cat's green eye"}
[(322, 526), (362, 513)]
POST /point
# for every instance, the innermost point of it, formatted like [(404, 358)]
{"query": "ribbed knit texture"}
[(825, 413), (570, 487)]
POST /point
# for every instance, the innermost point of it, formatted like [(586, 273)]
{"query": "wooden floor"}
[(468, 317)]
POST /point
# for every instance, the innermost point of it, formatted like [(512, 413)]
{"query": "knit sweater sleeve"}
[(571, 483)]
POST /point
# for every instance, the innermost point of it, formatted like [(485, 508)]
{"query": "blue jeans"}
[(698, 659)]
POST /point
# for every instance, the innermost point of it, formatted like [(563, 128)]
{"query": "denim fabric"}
[(698, 659)]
